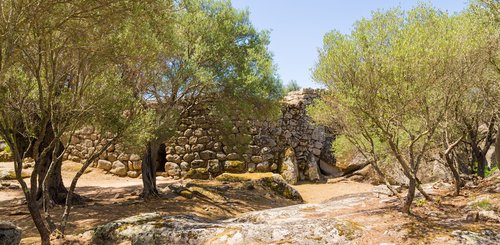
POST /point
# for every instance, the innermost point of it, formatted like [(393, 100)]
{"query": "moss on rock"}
[(198, 173), (235, 166), (279, 186), (11, 174), (230, 177)]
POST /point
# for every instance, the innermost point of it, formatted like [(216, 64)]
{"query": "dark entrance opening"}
[(162, 158)]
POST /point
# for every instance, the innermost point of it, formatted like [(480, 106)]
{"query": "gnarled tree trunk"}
[(497, 146), (149, 162), (57, 190), (410, 196)]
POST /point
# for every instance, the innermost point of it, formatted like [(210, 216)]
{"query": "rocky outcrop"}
[(298, 224), (356, 163), (273, 183), (10, 234)]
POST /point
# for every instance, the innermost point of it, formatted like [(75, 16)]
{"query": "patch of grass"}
[(420, 202), (483, 204)]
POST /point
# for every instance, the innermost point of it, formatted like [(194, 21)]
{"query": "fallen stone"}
[(104, 164), (330, 169), (313, 172), (358, 162), (119, 169), (10, 234)]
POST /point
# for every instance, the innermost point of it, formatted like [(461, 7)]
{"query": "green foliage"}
[(214, 58), (291, 86), (491, 171), (7, 149), (483, 204), (420, 202), (403, 78), (343, 149)]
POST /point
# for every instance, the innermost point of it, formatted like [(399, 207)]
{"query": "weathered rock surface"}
[(330, 169), (298, 224), (358, 162), (10, 174), (104, 164), (10, 234), (119, 169), (289, 168), (313, 169), (475, 238), (270, 181)]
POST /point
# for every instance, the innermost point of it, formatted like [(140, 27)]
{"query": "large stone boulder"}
[(298, 224), (119, 169), (10, 234), (104, 164), (172, 169), (349, 166), (289, 168), (10, 174), (329, 169)]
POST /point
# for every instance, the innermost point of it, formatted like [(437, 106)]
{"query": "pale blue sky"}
[(298, 26)]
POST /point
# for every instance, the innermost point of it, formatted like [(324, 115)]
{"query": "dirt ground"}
[(111, 197)]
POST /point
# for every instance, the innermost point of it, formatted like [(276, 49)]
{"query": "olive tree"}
[(62, 67), (216, 58), (390, 77)]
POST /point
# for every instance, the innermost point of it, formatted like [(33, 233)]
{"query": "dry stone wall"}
[(204, 149), (115, 159)]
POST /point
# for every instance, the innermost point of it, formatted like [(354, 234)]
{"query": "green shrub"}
[(483, 204), (420, 202), (343, 148), (489, 172)]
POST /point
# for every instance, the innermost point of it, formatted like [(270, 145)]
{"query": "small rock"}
[(133, 174), (9, 233), (118, 195)]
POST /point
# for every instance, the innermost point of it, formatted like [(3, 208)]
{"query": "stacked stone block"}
[(206, 146), (115, 159)]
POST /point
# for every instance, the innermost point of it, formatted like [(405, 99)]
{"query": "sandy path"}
[(94, 178), (317, 193)]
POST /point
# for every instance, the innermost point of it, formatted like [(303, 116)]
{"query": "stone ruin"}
[(202, 150)]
